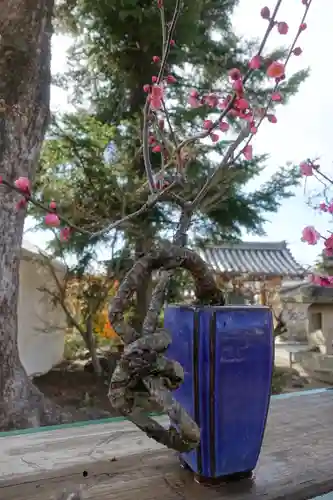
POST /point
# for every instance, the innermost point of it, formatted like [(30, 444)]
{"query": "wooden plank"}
[(117, 462)]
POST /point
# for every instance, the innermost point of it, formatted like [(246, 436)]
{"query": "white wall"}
[(41, 326)]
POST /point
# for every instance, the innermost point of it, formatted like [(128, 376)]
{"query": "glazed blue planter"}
[(227, 354)]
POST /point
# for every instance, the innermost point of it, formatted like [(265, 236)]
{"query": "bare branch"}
[(227, 158), (158, 297), (146, 112)]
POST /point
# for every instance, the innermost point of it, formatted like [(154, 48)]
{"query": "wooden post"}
[(263, 297)]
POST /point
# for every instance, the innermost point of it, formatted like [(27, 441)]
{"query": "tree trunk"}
[(144, 291), (25, 36), (91, 346)]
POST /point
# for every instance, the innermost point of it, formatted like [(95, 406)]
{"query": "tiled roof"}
[(252, 258)]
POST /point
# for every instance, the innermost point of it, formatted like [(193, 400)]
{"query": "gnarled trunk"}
[(25, 36), (143, 294)]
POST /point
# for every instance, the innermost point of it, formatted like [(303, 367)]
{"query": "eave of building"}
[(252, 260)]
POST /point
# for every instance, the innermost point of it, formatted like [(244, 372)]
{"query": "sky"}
[(303, 129)]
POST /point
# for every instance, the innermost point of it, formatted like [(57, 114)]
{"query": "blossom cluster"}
[(233, 102), (310, 235), (22, 185)]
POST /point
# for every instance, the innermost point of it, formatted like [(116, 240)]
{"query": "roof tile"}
[(252, 258)]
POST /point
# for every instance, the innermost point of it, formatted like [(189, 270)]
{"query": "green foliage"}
[(324, 264)]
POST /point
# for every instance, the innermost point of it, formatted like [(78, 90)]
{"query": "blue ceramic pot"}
[(227, 354)]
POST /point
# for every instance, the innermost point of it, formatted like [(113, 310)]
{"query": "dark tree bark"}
[(25, 36), (144, 291)]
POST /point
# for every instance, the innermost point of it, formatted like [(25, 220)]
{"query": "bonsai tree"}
[(144, 378)]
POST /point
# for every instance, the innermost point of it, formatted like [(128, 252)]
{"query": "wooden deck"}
[(115, 461)]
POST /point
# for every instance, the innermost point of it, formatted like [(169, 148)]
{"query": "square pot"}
[(227, 354)]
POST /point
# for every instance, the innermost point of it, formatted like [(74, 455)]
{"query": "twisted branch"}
[(144, 377), (159, 292)]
